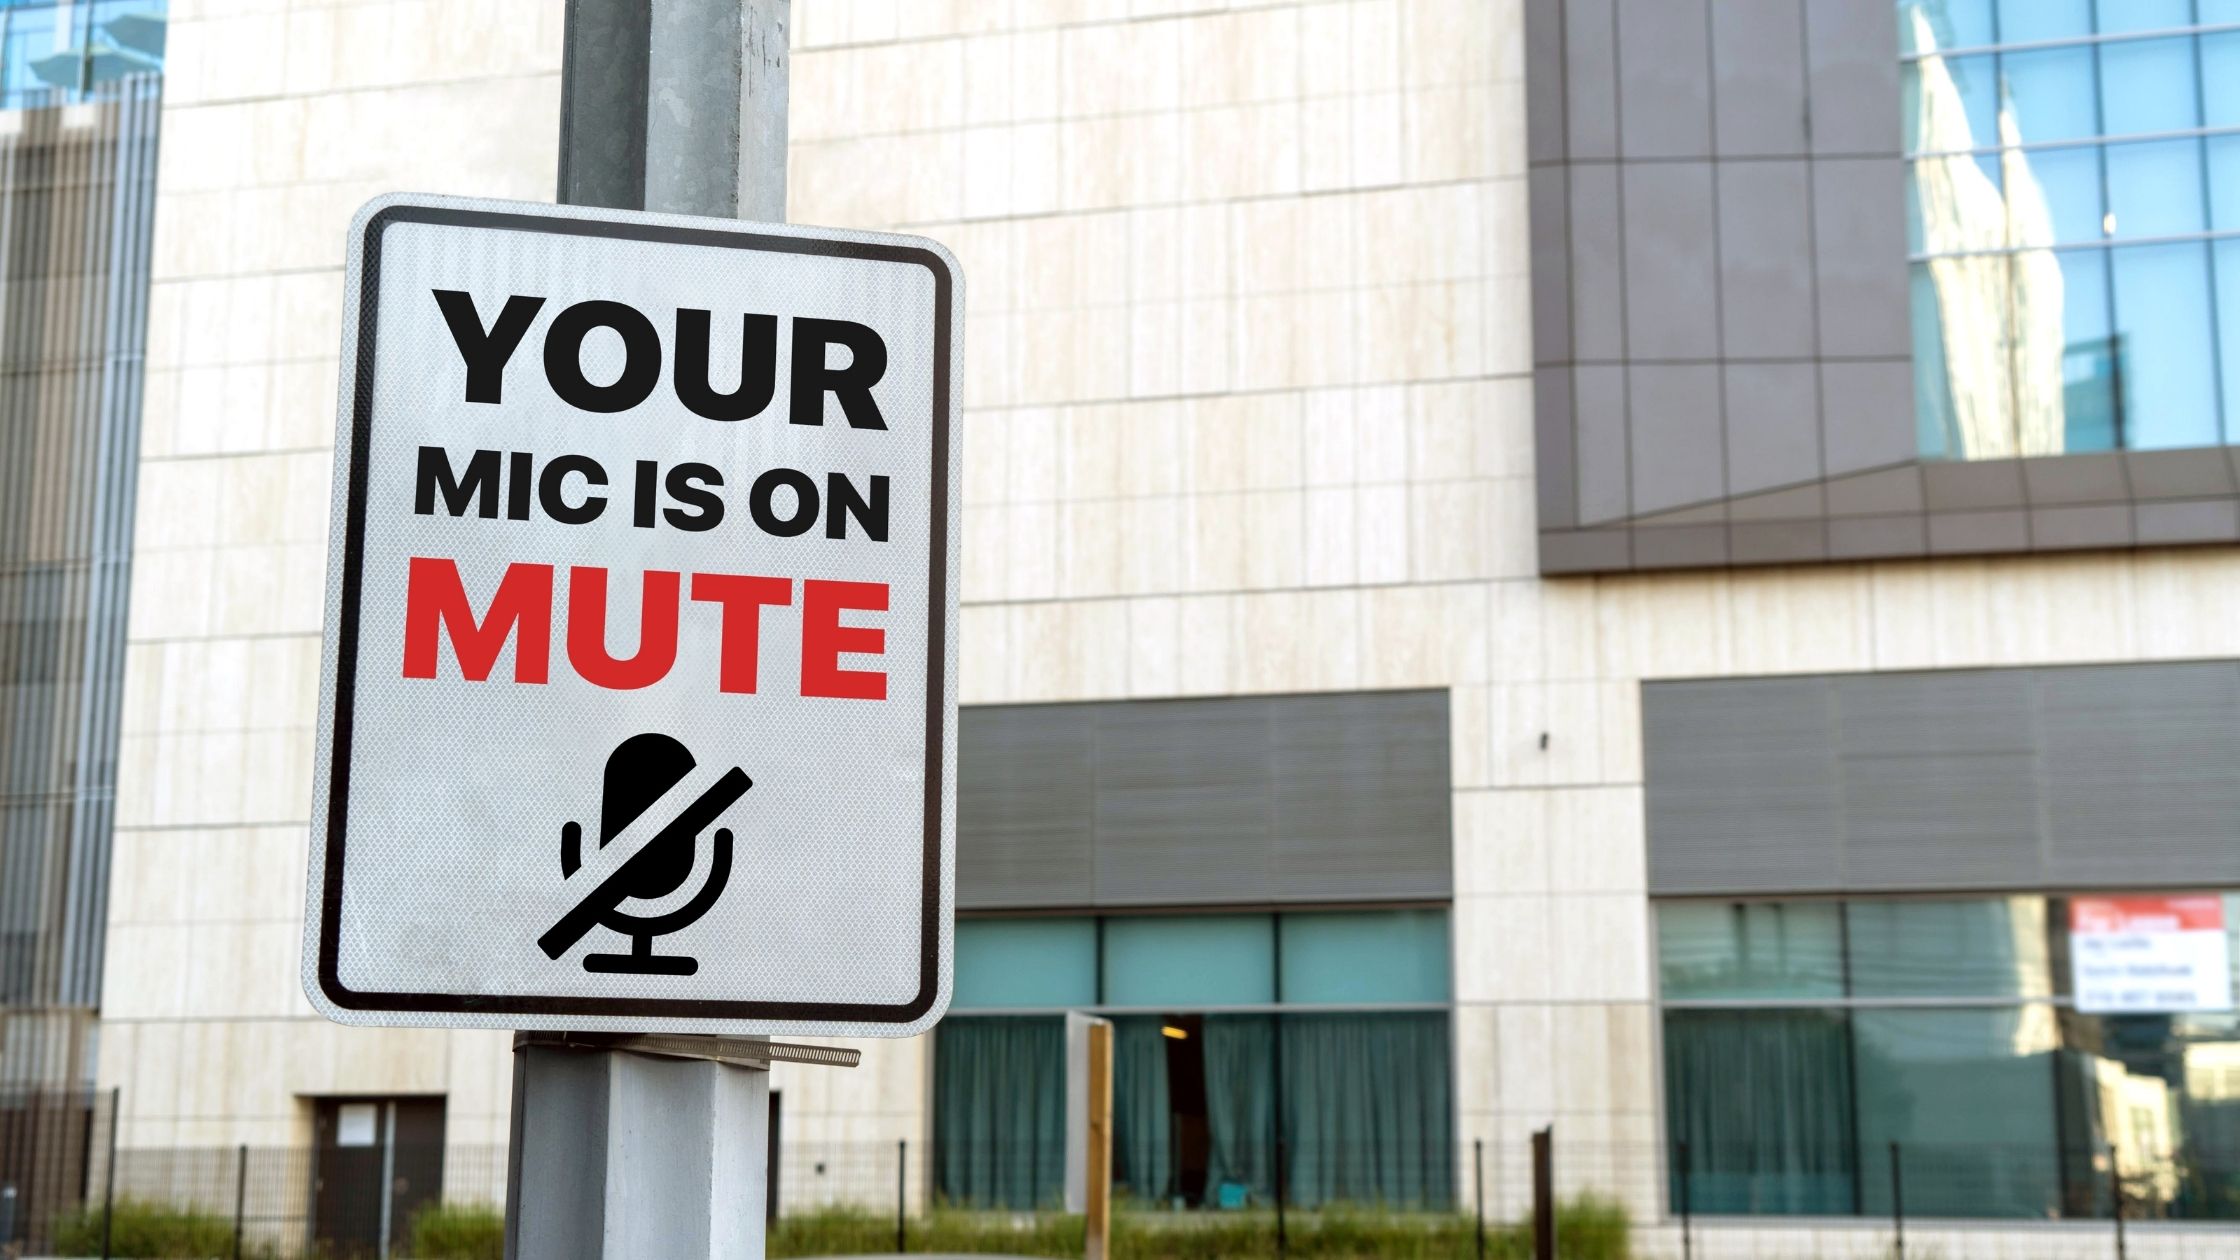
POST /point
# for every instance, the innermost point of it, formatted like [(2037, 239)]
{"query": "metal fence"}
[(1596, 1200)]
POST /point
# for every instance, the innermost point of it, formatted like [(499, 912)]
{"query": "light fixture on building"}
[(1179, 1034)]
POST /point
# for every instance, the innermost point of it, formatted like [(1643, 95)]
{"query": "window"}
[(1325, 1030), (2074, 198), (1806, 1041), (1348, 958)]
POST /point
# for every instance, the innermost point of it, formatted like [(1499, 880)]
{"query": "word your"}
[(487, 350)]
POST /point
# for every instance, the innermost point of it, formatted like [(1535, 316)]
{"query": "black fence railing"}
[(1525, 1198)]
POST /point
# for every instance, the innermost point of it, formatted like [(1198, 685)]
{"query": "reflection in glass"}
[(1966, 1094), (2147, 85), (2154, 189), (2035, 331), (1994, 947), (2053, 94), (2162, 332), (1743, 949), (2033, 21)]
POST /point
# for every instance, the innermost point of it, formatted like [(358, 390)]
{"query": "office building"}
[(1521, 556)]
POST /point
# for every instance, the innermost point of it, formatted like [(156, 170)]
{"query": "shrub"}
[(458, 1231), (1587, 1229), (143, 1228)]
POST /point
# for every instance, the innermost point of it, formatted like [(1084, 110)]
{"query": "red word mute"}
[(436, 603)]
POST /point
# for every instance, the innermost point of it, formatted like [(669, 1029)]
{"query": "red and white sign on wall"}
[(2150, 954)]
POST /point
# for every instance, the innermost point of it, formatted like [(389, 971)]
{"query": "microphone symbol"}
[(640, 770)]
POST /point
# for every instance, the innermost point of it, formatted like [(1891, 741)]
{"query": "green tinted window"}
[(1992, 947), (1189, 960), (1750, 949), (1378, 956), (1969, 1096), (1025, 962)]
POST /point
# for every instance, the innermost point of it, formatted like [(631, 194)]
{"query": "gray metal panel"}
[(1339, 797), (1866, 415), (1590, 79), (1676, 446), (1742, 787), (1597, 275), (2043, 778), (1599, 414), (1852, 64), (1939, 774), (1773, 430), (1026, 790), (1670, 271), (1665, 57), (2142, 774), (1543, 50), (1758, 67), (1765, 259), (1549, 188), (1556, 490), (1182, 810), (1362, 796), (1859, 239)]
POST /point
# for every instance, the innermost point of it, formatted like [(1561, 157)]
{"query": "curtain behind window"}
[(1763, 1099), (1240, 1104), (1143, 1113), (999, 1118), (1368, 1115)]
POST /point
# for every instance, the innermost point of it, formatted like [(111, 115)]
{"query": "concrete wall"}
[(1249, 410)]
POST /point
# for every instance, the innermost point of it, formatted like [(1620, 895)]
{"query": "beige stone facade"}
[(1248, 410)]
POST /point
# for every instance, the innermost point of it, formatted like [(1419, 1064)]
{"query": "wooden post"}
[(1099, 1222), (1543, 1195)]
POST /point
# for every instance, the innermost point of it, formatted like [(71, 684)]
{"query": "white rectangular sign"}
[(2150, 954), (639, 702)]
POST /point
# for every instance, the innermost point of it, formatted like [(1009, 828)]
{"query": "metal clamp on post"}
[(746, 1052)]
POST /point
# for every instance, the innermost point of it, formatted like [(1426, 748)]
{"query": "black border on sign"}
[(346, 636)]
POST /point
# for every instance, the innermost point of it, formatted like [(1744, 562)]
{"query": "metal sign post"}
[(649, 846)]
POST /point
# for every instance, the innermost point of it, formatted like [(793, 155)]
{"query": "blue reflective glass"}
[(2088, 400), (2224, 182), (1934, 425), (2144, 15), (1377, 956), (2053, 195), (1925, 25), (2219, 12), (1953, 203), (2220, 80), (1952, 104), (2227, 254), (2148, 85), (2154, 189), (1025, 962), (2028, 21), (2050, 94), (1190, 960), (2162, 327)]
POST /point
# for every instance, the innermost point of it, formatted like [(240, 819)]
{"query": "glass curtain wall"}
[(1232, 1032), (2074, 194), (1804, 1039)]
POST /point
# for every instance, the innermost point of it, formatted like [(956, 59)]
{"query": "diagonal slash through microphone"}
[(641, 772)]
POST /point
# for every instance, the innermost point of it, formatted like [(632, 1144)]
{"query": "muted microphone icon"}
[(640, 771)]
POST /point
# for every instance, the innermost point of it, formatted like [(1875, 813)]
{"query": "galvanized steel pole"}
[(676, 106)]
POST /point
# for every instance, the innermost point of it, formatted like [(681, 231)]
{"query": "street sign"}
[(639, 689)]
